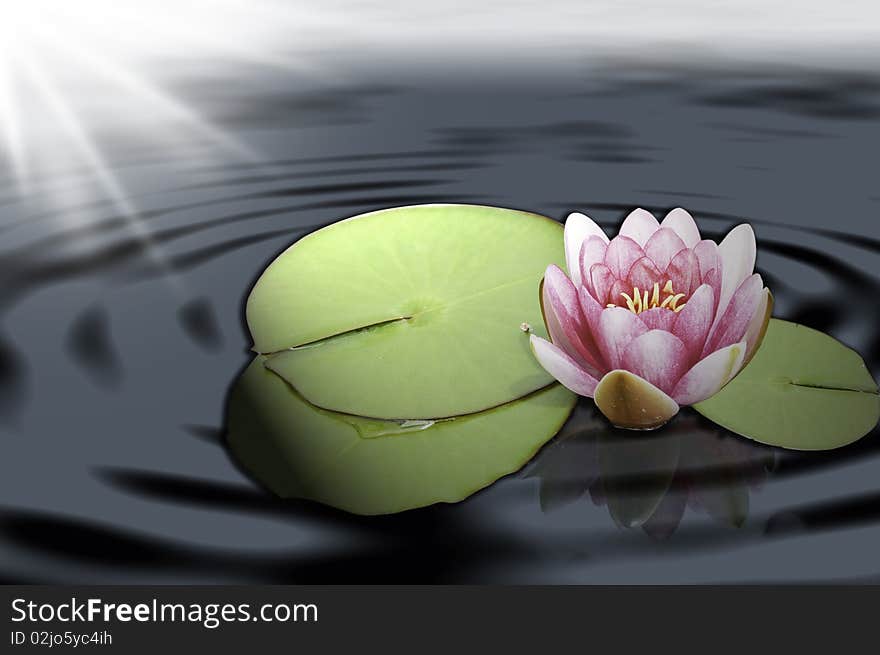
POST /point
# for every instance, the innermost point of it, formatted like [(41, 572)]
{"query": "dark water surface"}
[(117, 347)]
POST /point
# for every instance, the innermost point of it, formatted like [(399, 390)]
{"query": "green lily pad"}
[(803, 390), (367, 466), (413, 312)]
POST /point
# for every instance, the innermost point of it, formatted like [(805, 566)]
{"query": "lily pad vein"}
[(399, 318)]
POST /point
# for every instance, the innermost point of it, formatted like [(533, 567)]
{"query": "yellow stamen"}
[(637, 300), (643, 300)]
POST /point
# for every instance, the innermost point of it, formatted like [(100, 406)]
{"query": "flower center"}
[(643, 300)]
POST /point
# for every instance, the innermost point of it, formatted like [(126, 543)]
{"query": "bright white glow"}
[(63, 63), (111, 49), (94, 53), (10, 123)]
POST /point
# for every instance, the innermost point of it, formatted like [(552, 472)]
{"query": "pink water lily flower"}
[(653, 319)]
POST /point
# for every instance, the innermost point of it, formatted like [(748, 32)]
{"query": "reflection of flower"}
[(649, 482), (654, 319), (714, 474)]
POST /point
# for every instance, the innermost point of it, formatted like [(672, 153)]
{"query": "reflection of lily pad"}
[(636, 474), (803, 390), (375, 467), (412, 312), (568, 466)]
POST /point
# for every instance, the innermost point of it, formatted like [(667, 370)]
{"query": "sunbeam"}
[(9, 115), (89, 152), (112, 49), (145, 91), (64, 66)]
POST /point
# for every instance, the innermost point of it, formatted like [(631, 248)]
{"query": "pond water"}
[(118, 342)]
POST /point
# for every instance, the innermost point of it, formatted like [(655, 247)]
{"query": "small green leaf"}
[(803, 390), (368, 466), (412, 312)]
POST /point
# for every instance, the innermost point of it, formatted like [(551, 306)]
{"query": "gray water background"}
[(116, 354)]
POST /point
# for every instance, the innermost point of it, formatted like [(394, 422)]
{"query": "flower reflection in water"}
[(648, 479)]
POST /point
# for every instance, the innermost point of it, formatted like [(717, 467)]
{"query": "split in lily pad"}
[(368, 466), (803, 390), (413, 312)]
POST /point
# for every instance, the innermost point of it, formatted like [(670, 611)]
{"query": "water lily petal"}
[(601, 281), (639, 226), (684, 271), (591, 311), (683, 224), (658, 356), (554, 326), (565, 321), (615, 294), (617, 327), (577, 229), (659, 318), (562, 290), (737, 252), (629, 401), (643, 274), (590, 308), (755, 332), (710, 374), (707, 254), (663, 245), (731, 327), (693, 322), (621, 254), (562, 367), (713, 279), (592, 252)]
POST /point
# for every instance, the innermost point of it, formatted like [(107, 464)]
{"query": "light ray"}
[(71, 71), (146, 91), (111, 55), (80, 139), (11, 122)]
